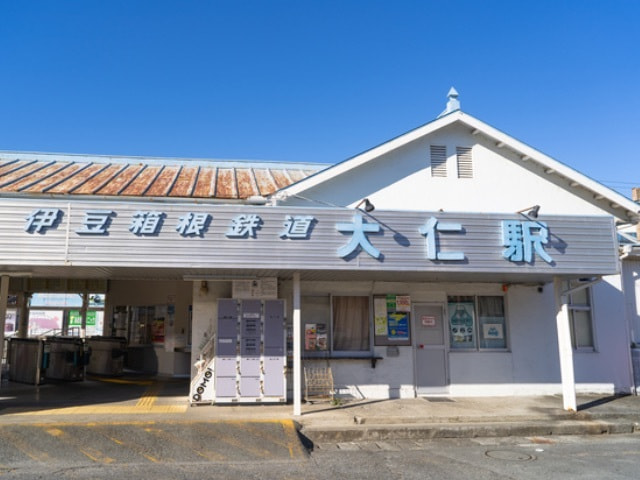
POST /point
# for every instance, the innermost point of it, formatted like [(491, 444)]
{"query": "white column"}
[(4, 293), (297, 348), (565, 348)]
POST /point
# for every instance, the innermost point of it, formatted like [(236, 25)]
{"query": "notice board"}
[(392, 320)]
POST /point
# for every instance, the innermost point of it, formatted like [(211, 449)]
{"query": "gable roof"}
[(37, 174), (617, 205)]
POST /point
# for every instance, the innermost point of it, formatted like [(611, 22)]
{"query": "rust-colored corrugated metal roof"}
[(52, 174)]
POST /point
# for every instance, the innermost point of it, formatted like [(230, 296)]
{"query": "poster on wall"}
[(316, 337), (310, 337), (158, 324), (461, 323), (263, 288), (380, 316), (398, 326), (392, 320)]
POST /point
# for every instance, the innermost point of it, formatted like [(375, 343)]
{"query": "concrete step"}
[(369, 432)]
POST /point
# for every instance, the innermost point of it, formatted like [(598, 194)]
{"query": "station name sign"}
[(149, 234), (521, 239)]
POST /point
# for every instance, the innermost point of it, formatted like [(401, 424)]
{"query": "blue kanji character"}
[(523, 239), (42, 218), (429, 230), (359, 237), (297, 227), (192, 224), (146, 223), (244, 225), (96, 222)]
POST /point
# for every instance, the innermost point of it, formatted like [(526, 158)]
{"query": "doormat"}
[(438, 399)]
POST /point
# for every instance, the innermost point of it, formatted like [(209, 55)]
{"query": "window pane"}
[(96, 300), (316, 313), (493, 332), (583, 334), (462, 322), (44, 322), (350, 323), (581, 297), (56, 300), (11, 321), (94, 323)]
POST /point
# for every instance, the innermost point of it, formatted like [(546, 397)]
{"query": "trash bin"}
[(64, 358), (25, 357), (107, 355)]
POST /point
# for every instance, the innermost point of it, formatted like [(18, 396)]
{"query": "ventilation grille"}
[(438, 161), (465, 163)]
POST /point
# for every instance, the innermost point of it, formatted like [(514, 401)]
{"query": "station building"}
[(452, 260)]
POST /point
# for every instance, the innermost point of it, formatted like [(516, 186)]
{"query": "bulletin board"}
[(392, 320)]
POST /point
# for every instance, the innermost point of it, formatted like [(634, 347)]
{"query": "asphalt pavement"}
[(140, 399)]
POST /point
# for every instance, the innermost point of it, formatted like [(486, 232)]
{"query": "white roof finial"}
[(453, 104)]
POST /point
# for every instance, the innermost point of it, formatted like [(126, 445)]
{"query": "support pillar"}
[(565, 348), (297, 348), (4, 294)]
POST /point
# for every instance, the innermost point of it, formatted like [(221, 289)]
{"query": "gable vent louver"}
[(438, 161), (465, 163)]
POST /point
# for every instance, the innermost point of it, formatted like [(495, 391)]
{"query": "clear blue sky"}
[(319, 81)]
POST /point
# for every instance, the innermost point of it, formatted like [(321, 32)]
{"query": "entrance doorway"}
[(431, 366)]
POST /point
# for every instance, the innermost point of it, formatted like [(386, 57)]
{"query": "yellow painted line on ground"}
[(25, 447), (258, 452), (90, 452), (293, 442), (150, 396), (100, 410), (290, 440), (121, 381), (132, 446), (208, 454)]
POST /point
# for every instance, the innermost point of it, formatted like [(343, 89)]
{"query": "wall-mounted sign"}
[(138, 234), (391, 320), (263, 288), (428, 321)]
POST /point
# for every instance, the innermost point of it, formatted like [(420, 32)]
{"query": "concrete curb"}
[(336, 434)]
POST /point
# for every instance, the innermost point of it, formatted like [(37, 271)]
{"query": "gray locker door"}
[(226, 387), (274, 343), (226, 367), (250, 366), (227, 318), (274, 377), (227, 328), (250, 387)]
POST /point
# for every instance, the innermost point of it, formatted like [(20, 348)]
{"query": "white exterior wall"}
[(608, 368), (501, 183), (631, 276), (529, 367)]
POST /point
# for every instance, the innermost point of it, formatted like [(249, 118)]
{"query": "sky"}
[(319, 81)]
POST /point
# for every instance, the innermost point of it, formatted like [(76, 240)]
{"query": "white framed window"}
[(581, 318), (336, 325), (53, 313), (477, 322)]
